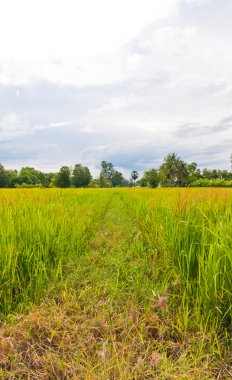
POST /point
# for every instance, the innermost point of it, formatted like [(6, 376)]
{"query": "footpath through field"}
[(112, 264)]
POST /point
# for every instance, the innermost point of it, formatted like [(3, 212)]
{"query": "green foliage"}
[(117, 179), (135, 284), (29, 176), (94, 183), (180, 244), (27, 186), (107, 170), (81, 176), (174, 170), (12, 177), (193, 172), (111, 177), (190, 231), (103, 181), (216, 174), (63, 178), (3, 177), (151, 178), (204, 182), (40, 231), (134, 176)]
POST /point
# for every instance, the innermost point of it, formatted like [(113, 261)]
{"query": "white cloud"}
[(12, 126), (132, 80), (70, 41)]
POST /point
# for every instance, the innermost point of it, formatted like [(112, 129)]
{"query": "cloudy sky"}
[(126, 81)]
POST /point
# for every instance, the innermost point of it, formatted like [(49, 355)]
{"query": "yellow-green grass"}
[(191, 230), (41, 234), (129, 283)]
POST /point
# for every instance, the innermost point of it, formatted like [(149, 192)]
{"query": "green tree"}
[(63, 178), (12, 177), (106, 174), (29, 176), (103, 181), (224, 174), (117, 178), (151, 178), (3, 177), (107, 169), (143, 182), (174, 170), (44, 179), (47, 179), (169, 168), (208, 174), (125, 183), (134, 176), (193, 173), (81, 176), (182, 173), (94, 183)]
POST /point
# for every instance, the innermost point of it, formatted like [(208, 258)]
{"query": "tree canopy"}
[(173, 171), (63, 178), (81, 176)]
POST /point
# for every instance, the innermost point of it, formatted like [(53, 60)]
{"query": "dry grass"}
[(66, 341)]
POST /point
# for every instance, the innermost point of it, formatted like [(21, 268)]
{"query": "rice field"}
[(115, 283)]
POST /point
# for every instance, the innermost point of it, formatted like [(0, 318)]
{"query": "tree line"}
[(173, 172)]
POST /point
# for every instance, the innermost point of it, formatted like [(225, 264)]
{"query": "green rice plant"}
[(131, 283), (182, 246), (190, 230), (41, 233)]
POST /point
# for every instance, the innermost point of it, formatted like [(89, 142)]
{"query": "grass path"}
[(104, 323)]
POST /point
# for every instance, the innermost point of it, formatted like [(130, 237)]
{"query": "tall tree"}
[(107, 169), (63, 178), (3, 177), (106, 174), (169, 167), (174, 170), (193, 172), (103, 181), (48, 177), (117, 178), (28, 176), (134, 175), (182, 173), (81, 176), (208, 174), (12, 177), (151, 178)]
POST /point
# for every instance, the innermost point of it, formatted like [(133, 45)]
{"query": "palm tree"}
[(134, 175), (182, 173), (174, 169)]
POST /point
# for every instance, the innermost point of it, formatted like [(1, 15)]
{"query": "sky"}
[(125, 81)]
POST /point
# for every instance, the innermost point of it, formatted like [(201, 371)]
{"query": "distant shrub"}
[(28, 186), (203, 182)]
